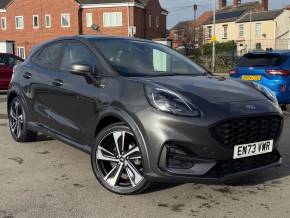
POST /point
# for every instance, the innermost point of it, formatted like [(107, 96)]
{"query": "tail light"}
[(278, 72), (232, 72)]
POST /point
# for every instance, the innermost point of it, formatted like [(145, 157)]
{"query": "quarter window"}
[(49, 57), (19, 22), (112, 19), (89, 20), (3, 23), (47, 21), (76, 53), (65, 20), (21, 52), (35, 21)]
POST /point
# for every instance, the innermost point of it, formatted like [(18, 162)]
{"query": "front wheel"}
[(117, 160)]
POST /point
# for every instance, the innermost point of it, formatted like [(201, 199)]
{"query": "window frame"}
[(225, 33), (89, 17), (111, 13), (157, 21), (45, 17), (258, 34), (19, 27), (150, 20), (241, 30), (209, 32), (69, 22), (18, 53), (5, 23), (33, 24)]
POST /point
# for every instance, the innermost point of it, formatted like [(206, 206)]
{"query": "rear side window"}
[(49, 57), (261, 60)]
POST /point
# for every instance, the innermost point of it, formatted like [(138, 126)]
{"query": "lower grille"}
[(247, 130), (223, 168)]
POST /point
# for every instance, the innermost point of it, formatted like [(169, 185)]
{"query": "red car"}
[(7, 62)]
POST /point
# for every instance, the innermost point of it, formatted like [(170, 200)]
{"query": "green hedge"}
[(221, 48)]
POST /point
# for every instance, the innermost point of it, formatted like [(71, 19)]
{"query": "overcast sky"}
[(180, 10)]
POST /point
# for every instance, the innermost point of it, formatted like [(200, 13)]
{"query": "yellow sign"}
[(213, 38), (251, 77)]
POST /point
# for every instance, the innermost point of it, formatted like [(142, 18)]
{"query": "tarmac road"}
[(50, 179)]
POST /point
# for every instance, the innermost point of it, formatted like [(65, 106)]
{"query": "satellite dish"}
[(95, 27)]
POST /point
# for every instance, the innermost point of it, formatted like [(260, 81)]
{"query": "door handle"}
[(27, 75), (57, 82)]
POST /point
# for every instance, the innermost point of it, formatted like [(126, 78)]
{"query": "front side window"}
[(65, 20), (112, 19), (225, 31), (241, 30), (3, 23), (137, 58), (19, 22), (21, 52), (35, 21), (47, 21), (76, 53), (89, 20), (258, 29), (49, 57)]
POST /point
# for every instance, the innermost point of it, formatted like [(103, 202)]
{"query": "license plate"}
[(252, 149), (251, 77)]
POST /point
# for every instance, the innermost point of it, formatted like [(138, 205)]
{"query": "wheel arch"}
[(120, 116)]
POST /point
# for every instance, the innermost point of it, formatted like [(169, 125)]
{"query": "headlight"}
[(267, 92), (168, 101)]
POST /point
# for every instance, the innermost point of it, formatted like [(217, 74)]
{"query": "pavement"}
[(50, 179)]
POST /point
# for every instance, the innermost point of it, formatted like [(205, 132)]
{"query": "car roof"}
[(278, 52)]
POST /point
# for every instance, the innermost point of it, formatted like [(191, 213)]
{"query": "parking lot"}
[(50, 179)]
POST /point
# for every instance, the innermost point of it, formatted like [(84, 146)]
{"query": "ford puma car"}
[(144, 112)]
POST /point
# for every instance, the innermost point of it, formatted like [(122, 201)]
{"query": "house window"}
[(258, 29), (209, 32), (89, 20), (35, 21), (65, 20), (157, 22), (150, 20), (47, 21), (19, 23), (21, 52), (241, 30), (3, 23), (112, 19), (225, 31)]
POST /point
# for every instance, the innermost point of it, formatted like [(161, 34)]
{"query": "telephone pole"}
[(194, 27), (214, 37)]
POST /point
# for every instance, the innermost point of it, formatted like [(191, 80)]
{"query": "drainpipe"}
[(129, 18)]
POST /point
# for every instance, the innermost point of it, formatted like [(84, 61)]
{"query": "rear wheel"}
[(117, 160), (17, 122)]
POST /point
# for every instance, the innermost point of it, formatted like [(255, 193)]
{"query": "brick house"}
[(25, 23)]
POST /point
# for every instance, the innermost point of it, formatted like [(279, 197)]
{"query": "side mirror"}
[(81, 69)]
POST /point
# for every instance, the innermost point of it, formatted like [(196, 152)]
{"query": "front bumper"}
[(161, 130)]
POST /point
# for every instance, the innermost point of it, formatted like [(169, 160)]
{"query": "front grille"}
[(247, 130), (227, 167)]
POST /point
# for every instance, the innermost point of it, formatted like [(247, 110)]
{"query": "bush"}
[(221, 48)]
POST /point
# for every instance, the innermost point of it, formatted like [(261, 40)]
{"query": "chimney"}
[(236, 3), (222, 4), (265, 5)]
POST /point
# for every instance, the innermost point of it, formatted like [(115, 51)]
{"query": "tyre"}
[(117, 160), (17, 122)]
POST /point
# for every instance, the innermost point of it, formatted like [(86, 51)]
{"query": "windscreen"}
[(140, 58), (261, 60)]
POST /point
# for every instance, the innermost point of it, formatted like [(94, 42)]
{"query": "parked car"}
[(271, 69), (144, 112), (7, 62)]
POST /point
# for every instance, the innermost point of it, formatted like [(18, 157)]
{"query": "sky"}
[(180, 10)]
